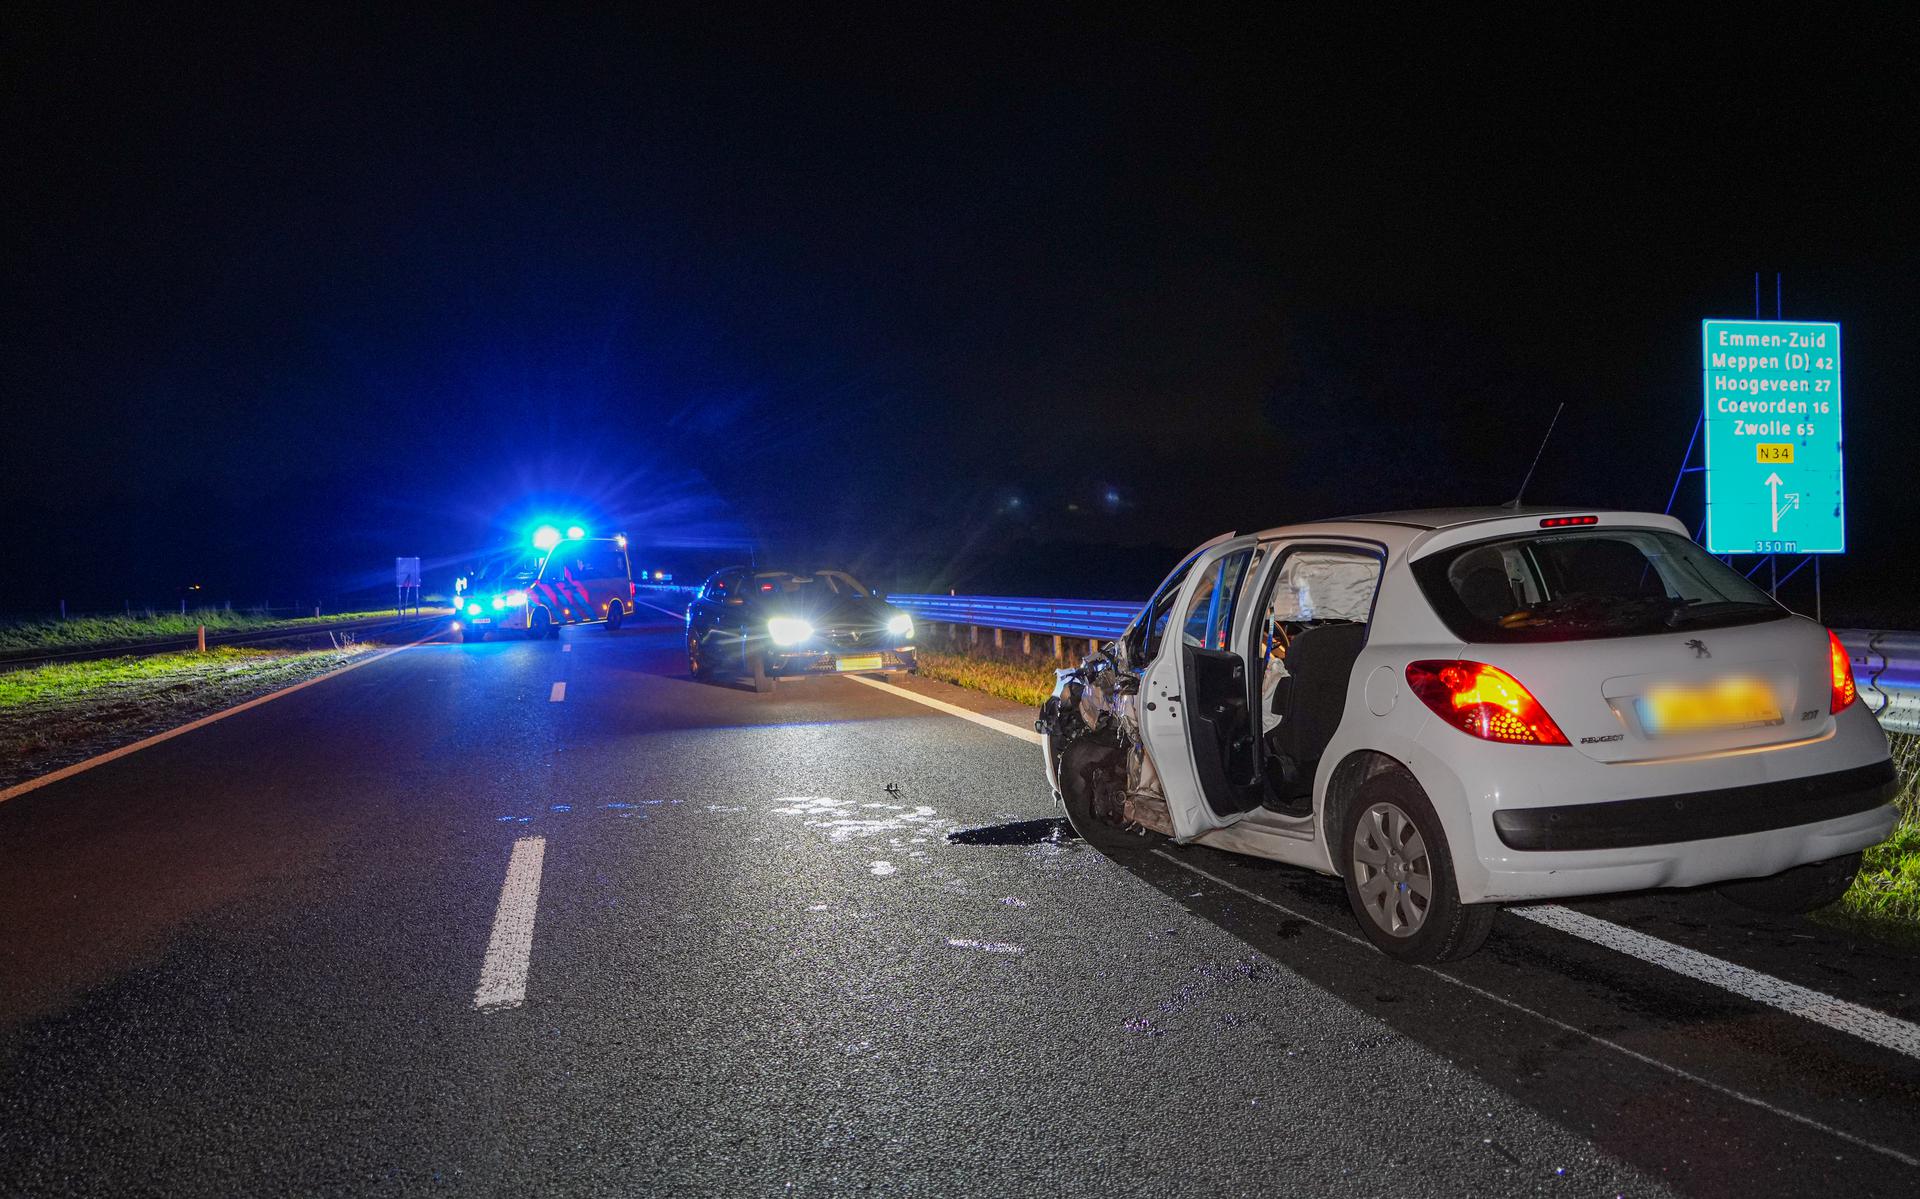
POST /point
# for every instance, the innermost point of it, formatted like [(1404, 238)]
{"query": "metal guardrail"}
[(1057, 617), (1886, 662), (1886, 668)]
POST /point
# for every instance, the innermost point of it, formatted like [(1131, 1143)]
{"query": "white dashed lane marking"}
[(503, 973), (559, 692), (566, 647)]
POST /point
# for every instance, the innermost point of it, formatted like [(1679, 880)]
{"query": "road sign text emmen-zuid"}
[(1773, 437)]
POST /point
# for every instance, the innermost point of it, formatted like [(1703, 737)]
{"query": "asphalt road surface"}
[(549, 917)]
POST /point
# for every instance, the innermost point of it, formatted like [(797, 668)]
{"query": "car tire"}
[(1797, 891), (615, 615), (1092, 772), (472, 636), (696, 661), (757, 668), (540, 625), (1391, 848)]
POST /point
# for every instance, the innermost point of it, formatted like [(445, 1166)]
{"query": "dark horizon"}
[(290, 295)]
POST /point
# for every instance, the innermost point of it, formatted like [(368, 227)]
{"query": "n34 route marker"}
[(1774, 478)]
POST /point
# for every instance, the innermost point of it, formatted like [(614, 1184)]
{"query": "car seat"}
[(1320, 662), (1487, 594)]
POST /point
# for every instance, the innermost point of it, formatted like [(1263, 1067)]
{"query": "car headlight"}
[(901, 625), (785, 630), (499, 602), (516, 599), (473, 609)]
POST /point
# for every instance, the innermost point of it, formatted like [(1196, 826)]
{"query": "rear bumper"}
[(1698, 815), (1526, 823)]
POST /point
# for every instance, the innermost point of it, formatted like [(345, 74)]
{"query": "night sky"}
[(944, 297)]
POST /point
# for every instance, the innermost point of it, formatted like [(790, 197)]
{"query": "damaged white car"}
[(1455, 709)]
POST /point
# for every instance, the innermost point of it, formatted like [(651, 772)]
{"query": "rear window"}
[(1583, 585)]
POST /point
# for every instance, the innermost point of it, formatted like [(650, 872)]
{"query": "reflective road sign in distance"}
[(1773, 437)]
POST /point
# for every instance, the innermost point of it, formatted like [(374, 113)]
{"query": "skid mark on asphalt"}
[(1562, 1025), (559, 692), (1878, 1028), (503, 972)]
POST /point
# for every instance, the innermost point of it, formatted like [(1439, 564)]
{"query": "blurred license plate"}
[(867, 662), (1728, 704)]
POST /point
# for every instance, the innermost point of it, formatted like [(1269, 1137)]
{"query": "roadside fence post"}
[(203, 639), (63, 609)]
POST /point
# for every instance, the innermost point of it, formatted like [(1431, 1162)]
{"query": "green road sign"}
[(1773, 437)]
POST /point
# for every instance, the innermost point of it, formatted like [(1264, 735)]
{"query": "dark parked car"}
[(772, 624)]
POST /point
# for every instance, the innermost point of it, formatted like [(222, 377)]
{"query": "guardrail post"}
[(973, 634), (999, 637), (1059, 647), (1026, 645)]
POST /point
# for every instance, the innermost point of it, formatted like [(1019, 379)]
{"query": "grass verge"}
[(85, 631), (1022, 681), (1885, 898), (52, 716)]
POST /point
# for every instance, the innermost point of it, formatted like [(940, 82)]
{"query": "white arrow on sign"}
[(1773, 491)]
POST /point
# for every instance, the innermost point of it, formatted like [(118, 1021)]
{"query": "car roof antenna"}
[(1515, 503)]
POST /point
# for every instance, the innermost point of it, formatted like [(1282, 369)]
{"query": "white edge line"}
[(681, 615), (998, 726), (34, 784), (1562, 1025), (503, 972), (1874, 1027)]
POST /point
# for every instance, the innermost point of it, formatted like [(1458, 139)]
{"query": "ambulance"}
[(572, 579)]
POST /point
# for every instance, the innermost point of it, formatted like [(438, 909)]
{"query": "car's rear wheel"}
[(615, 615), (697, 660), (1794, 892), (539, 625), (1399, 875)]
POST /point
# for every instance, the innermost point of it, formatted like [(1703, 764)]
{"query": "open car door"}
[(1195, 713)]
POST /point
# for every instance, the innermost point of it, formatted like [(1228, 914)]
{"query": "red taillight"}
[(1844, 692), (1562, 522), (1484, 701)]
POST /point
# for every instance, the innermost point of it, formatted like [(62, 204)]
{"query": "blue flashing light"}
[(546, 537), (575, 532)]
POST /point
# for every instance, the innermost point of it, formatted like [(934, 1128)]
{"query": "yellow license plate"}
[(869, 662), (1727, 704)]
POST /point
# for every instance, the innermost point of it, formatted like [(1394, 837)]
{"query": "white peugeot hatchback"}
[(1455, 709)]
